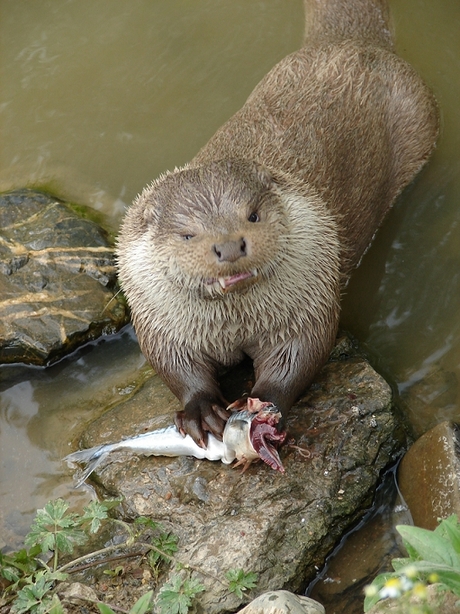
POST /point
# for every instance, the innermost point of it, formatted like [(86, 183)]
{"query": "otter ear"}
[(149, 215), (141, 216), (264, 176), (147, 207)]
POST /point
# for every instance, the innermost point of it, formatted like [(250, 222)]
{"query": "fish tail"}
[(92, 456)]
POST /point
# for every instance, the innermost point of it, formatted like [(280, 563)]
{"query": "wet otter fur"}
[(245, 250)]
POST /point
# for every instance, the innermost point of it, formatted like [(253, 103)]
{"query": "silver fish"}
[(249, 434)]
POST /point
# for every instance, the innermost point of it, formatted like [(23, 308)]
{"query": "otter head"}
[(216, 227)]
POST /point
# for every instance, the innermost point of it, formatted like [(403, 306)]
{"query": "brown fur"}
[(287, 194)]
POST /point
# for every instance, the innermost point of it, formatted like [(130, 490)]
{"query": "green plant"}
[(176, 596), (33, 573), (165, 543), (433, 557), (140, 607), (35, 596), (239, 581), (54, 532)]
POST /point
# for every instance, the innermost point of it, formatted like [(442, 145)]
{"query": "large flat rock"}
[(281, 526)]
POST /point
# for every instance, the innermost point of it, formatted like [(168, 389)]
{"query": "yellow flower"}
[(392, 588), (419, 590)]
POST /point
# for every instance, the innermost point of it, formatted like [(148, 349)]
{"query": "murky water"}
[(404, 300), (97, 97)]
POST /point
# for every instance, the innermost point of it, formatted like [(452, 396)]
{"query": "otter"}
[(245, 250)]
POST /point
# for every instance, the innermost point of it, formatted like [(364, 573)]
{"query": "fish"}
[(250, 433)]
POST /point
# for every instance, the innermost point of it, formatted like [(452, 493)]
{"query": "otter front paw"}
[(200, 417)]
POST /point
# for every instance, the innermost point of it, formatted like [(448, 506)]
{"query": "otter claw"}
[(200, 417)]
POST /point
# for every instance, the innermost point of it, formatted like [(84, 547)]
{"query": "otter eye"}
[(253, 217)]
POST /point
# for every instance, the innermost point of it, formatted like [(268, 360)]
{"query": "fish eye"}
[(254, 217)]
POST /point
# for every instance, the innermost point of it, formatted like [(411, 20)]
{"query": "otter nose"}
[(230, 251)]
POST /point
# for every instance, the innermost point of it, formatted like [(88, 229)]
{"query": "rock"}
[(77, 593), (57, 279), (429, 392), (282, 602), (363, 554), (281, 526), (429, 475)]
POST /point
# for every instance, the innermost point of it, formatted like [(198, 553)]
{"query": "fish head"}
[(252, 433)]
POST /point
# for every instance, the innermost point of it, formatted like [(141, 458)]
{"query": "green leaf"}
[(170, 602), (412, 552), (450, 529), (192, 587), (22, 560), (167, 542), (42, 529), (55, 529), (176, 596), (425, 567), (399, 564), (56, 576), (104, 608), (148, 522), (10, 574), (54, 514), (429, 545), (66, 539), (142, 604), (40, 537), (239, 581), (55, 607), (33, 595), (95, 512), (33, 552)]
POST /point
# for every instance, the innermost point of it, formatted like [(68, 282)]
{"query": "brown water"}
[(97, 97)]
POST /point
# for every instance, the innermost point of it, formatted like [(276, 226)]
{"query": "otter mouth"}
[(227, 283)]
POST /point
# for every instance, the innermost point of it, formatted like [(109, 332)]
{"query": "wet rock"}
[(281, 526), (430, 392), (282, 602), (364, 553), (57, 279), (429, 475)]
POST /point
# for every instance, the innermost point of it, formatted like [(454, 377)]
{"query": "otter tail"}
[(331, 21)]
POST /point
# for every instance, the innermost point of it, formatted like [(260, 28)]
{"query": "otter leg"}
[(193, 379), (283, 374)]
